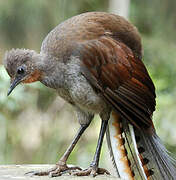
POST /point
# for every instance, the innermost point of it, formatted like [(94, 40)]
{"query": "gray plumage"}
[(93, 61)]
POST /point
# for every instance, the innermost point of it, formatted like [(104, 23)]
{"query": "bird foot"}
[(93, 171), (58, 170)]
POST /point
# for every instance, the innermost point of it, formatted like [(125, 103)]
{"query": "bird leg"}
[(93, 169), (61, 166)]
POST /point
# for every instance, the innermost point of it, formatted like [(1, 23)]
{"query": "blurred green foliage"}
[(156, 22), (35, 126)]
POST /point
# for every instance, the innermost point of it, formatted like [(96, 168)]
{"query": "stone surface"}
[(17, 172)]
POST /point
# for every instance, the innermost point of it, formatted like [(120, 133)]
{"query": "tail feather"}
[(108, 139), (159, 163), (117, 150), (136, 151), (132, 150), (146, 155), (121, 149)]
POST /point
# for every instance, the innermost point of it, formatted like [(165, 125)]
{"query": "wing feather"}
[(120, 78)]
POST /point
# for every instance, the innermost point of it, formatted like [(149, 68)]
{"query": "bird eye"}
[(20, 70)]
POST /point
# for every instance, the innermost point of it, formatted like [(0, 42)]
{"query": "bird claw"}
[(58, 170), (92, 171)]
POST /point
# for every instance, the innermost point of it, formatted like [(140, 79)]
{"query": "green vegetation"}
[(35, 126), (155, 21)]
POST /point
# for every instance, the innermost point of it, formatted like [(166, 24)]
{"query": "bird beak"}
[(13, 84)]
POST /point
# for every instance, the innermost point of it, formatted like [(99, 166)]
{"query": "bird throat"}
[(35, 76)]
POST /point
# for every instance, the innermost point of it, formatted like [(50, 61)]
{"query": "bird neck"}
[(52, 71)]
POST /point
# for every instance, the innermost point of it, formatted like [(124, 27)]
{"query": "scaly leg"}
[(93, 169), (61, 165)]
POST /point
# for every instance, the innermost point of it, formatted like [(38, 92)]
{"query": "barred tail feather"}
[(138, 154), (116, 148), (157, 160), (136, 151), (122, 151)]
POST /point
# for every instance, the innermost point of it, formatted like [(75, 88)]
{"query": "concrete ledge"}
[(16, 172)]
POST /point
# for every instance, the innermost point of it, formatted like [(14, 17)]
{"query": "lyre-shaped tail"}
[(155, 157), (136, 154), (122, 151)]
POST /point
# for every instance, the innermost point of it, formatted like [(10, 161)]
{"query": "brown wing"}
[(120, 78)]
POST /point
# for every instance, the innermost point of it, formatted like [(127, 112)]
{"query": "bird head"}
[(21, 67)]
